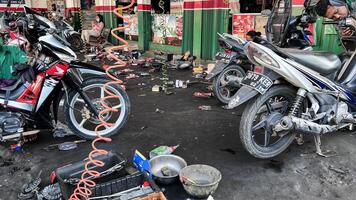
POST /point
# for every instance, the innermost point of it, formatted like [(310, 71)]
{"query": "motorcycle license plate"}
[(221, 55), (258, 82)]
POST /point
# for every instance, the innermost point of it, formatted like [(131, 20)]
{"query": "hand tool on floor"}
[(65, 146)]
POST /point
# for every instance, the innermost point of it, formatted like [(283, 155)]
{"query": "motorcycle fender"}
[(55, 104), (81, 65), (244, 94), (89, 73), (220, 66)]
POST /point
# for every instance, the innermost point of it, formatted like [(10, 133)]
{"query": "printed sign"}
[(243, 23), (167, 29), (133, 30)]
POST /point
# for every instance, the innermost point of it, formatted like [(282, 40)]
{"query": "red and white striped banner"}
[(144, 5), (72, 6), (205, 4), (105, 5)]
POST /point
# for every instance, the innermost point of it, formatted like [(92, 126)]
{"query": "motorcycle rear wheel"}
[(256, 125), (225, 93), (82, 122)]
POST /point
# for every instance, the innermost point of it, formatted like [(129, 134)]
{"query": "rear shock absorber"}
[(298, 102), (83, 189)]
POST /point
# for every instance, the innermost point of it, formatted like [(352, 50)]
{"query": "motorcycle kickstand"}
[(325, 153)]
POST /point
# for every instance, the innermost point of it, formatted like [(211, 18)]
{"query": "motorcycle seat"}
[(324, 63)]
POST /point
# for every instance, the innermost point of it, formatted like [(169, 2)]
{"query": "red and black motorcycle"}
[(32, 103)]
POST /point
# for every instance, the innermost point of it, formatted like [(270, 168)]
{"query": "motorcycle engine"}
[(10, 123)]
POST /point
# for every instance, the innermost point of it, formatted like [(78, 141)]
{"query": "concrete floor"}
[(205, 137)]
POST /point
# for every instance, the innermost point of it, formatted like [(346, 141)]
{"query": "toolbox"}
[(68, 176)]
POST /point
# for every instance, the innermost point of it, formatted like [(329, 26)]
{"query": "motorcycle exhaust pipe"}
[(294, 123), (18, 135)]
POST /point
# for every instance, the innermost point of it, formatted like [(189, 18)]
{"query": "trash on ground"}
[(127, 70), (142, 95), (159, 111), (198, 70), (141, 84), (16, 147), (203, 94), (181, 84), (143, 128), (210, 68), (163, 150), (199, 75), (205, 108), (132, 76), (144, 74), (156, 88)]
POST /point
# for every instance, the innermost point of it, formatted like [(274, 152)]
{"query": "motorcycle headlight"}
[(259, 57)]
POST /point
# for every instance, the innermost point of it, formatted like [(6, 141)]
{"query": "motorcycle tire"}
[(217, 80), (76, 42), (252, 112), (73, 97)]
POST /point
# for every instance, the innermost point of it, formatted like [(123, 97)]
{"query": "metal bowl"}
[(165, 168), (200, 181)]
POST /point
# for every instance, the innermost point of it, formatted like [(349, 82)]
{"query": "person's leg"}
[(93, 33), (84, 33)]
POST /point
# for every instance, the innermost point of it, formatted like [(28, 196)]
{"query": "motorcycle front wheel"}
[(259, 118), (222, 90), (82, 121)]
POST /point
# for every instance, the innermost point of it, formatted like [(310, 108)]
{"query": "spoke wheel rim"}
[(78, 123)]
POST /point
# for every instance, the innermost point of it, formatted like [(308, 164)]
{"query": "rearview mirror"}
[(8, 3)]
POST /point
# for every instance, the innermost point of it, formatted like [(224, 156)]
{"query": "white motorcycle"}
[(294, 91)]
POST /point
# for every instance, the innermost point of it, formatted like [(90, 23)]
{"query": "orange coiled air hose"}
[(83, 187)]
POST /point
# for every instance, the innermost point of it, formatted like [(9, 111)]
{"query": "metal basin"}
[(166, 168), (200, 181)]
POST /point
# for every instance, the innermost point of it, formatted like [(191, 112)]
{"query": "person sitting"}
[(253, 36), (98, 25)]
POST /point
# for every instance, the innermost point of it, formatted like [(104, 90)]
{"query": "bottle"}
[(163, 150)]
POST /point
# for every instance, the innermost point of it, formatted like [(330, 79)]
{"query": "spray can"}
[(163, 150)]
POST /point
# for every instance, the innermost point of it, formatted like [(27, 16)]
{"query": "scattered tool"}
[(65, 146)]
